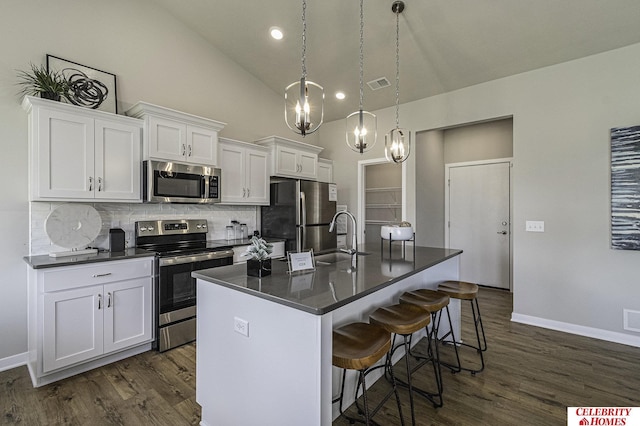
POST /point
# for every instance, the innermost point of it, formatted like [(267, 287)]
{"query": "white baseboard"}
[(596, 333), (13, 361)]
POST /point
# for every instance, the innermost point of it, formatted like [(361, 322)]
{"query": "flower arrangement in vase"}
[(259, 262)]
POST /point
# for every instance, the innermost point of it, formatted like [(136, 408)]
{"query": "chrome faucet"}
[(353, 251)]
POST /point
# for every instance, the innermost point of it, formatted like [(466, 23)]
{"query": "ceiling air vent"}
[(379, 83)]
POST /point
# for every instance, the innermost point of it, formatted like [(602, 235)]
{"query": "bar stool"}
[(434, 302), (358, 346), (402, 320), (463, 290)]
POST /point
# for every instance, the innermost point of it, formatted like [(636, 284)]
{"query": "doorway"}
[(479, 220), (381, 196), (437, 150)]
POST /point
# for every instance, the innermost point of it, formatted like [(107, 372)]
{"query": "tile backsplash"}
[(121, 215)]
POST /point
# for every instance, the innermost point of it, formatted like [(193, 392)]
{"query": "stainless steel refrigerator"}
[(300, 213)]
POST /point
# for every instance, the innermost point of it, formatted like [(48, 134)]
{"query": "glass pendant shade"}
[(304, 106), (361, 131), (397, 145)]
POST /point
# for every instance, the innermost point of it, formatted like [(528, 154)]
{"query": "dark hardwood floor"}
[(531, 376)]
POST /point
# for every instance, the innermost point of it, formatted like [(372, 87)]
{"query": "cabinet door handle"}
[(244, 192), (184, 149), (90, 183), (248, 190), (99, 301), (109, 300), (190, 148), (99, 184), (101, 275)]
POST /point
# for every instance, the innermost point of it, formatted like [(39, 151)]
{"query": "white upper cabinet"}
[(172, 135), (325, 170), (78, 154), (291, 158), (245, 173)]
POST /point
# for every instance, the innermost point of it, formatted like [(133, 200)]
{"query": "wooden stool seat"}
[(401, 318), (359, 345), (429, 300), (459, 289)]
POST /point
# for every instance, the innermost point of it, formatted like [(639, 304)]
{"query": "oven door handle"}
[(177, 260)]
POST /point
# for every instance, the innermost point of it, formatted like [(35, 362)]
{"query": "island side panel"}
[(360, 310), (279, 374)]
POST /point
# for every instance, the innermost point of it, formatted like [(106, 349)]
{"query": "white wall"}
[(435, 148), (429, 195), (155, 58), (481, 141), (567, 277)]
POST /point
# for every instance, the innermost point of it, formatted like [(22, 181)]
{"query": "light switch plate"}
[(534, 226)]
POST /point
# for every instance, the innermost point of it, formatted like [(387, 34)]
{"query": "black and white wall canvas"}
[(625, 188), (88, 87)]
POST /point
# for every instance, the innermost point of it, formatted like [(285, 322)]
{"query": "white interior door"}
[(479, 221)]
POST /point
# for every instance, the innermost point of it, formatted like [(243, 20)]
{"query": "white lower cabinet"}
[(73, 327), (86, 313)]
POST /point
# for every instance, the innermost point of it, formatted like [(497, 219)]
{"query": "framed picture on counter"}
[(303, 261), (88, 87)]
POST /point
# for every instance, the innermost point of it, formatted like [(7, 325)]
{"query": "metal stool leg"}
[(454, 368), (433, 356), (480, 348), (479, 321), (365, 411)]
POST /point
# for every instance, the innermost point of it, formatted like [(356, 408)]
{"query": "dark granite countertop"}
[(331, 285), (46, 261)]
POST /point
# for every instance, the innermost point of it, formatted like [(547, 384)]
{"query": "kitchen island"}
[(264, 345)]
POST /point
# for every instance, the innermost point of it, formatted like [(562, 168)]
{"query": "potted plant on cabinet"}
[(47, 84), (259, 262)]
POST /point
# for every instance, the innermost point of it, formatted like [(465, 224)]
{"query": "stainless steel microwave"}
[(170, 182)]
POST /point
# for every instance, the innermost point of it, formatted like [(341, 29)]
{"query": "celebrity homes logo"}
[(603, 416)]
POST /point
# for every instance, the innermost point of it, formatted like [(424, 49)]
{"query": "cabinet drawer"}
[(65, 278)]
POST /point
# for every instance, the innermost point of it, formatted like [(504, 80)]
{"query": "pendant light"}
[(304, 100), (361, 125), (397, 143)]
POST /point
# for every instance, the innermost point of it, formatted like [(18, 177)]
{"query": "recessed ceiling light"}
[(276, 33), (340, 95)]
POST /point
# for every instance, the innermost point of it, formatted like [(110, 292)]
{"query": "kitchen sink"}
[(337, 256)]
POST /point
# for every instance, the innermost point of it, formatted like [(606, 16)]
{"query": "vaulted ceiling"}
[(444, 44)]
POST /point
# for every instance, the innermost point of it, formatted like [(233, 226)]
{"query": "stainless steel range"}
[(181, 247)]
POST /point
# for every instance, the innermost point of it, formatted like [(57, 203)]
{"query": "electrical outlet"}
[(241, 326), (534, 226)]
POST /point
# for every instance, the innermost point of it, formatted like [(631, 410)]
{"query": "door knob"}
[(502, 232)]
